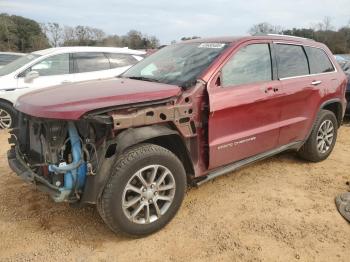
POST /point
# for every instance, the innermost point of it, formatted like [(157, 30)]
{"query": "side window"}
[(54, 65), (318, 60), (89, 62), (120, 60), (250, 64), (291, 60)]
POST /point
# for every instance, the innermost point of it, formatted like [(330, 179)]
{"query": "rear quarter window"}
[(291, 60), (318, 60)]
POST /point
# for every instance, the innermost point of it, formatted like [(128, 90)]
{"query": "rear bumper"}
[(20, 167)]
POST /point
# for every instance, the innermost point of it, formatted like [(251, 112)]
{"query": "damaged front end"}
[(72, 159), (52, 155)]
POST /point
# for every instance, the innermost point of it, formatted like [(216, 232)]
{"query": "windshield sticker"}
[(211, 45)]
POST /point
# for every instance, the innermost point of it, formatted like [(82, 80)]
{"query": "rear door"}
[(244, 106), (304, 75), (90, 66)]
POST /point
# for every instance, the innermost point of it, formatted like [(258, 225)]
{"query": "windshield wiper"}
[(143, 78)]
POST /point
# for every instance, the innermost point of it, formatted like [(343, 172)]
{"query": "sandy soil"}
[(281, 209)]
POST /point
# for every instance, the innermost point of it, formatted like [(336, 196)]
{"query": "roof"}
[(73, 49), (231, 39)]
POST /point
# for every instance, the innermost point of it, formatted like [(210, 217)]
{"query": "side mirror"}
[(30, 76)]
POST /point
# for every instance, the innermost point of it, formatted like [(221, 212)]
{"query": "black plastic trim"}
[(237, 165)]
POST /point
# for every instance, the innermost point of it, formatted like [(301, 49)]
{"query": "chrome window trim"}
[(307, 45), (292, 77)]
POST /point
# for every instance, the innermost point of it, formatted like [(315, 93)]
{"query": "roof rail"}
[(292, 36)]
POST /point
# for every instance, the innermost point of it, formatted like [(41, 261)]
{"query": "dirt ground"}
[(281, 209)]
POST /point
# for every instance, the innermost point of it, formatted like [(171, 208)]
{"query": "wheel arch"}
[(335, 106), (6, 101), (156, 134)]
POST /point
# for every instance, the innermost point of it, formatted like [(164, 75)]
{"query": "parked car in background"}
[(8, 57), (344, 62), (186, 114), (55, 66), (342, 57)]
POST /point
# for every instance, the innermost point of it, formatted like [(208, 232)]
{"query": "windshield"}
[(178, 64), (18, 63)]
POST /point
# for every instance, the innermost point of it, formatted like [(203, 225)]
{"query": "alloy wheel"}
[(5, 119), (325, 136), (148, 194)]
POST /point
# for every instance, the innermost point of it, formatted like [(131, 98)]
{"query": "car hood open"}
[(71, 101)]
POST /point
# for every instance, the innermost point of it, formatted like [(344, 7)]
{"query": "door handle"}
[(268, 89), (66, 82), (316, 82), (271, 89)]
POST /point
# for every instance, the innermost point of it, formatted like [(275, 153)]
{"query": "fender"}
[(133, 136), (95, 184)]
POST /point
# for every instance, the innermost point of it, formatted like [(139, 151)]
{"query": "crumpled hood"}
[(71, 101)]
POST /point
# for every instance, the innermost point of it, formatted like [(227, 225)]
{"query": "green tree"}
[(8, 33), (21, 34)]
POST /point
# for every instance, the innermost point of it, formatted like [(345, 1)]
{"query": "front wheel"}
[(322, 139), (145, 190)]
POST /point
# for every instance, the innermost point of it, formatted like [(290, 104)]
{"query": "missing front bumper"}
[(20, 167)]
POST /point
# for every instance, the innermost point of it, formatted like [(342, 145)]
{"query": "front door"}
[(53, 70), (244, 106)]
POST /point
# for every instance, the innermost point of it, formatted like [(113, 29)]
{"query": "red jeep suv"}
[(184, 115)]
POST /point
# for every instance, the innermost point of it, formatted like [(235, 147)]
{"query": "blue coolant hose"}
[(75, 172)]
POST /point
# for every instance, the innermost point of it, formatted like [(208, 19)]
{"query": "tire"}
[(311, 150), (125, 186), (8, 115)]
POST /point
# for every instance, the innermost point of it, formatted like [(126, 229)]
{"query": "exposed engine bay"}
[(59, 157)]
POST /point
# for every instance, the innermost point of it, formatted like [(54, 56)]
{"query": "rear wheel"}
[(8, 115), (321, 142), (145, 191)]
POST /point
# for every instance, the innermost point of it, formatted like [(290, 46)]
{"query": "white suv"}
[(57, 66)]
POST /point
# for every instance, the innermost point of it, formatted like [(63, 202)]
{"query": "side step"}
[(237, 165)]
